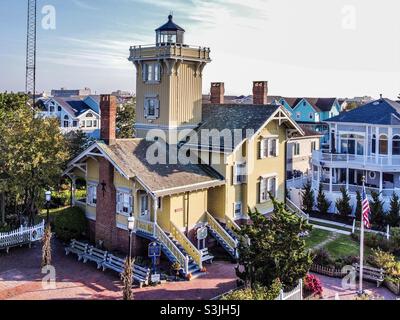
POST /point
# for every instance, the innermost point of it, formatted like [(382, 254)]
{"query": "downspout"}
[(187, 213)]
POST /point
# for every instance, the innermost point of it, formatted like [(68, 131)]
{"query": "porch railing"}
[(354, 188), (291, 206), (232, 225), (187, 245), (214, 224), (381, 160), (179, 256), (145, 226)]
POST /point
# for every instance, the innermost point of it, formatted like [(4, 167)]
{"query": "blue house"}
[(313, 112)]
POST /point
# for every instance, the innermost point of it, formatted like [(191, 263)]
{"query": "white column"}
[(381, 182), (390, 144), (347, 178), (73, 191), (318, 176), (377, 145), (155, 207), (330, 179)]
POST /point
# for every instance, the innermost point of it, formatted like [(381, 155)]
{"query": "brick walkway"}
[(20, 278)]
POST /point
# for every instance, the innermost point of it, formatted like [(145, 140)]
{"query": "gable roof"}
[(74, 105), (241, 117), (292, 102), (129, 157), (321, 104), (382, 111)]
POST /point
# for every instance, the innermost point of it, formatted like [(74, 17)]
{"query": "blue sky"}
[(303, 48)]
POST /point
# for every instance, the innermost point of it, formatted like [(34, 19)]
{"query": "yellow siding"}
[(92, 170)]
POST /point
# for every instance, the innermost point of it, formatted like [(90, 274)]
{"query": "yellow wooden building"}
[(238, 165)]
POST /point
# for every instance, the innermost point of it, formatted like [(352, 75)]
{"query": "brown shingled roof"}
[(162, 179)]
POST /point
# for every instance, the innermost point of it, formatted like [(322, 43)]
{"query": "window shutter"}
[(235, 174), (277, 147), (144, 72), (262, 149), (89, 195), (130, 204), (157, 108), (262, 190), (146, 107), (267, 147), (119, 202)]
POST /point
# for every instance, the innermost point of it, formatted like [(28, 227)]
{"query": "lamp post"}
[(131, 225), (48, 199)]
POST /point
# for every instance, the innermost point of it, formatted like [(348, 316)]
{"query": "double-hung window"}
[(151, 108), (268, 186), (296, 149), (91, 195), (239, 173), (152, 72), (269, 147), (124, 203), (237, 209)]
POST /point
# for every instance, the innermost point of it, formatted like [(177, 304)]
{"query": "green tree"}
[(271, 248), (323, 204), (358, 205), (308, 198), (32, 153), (393, 216), (77, 142), (377, 212), (343, 204), (126, 115)]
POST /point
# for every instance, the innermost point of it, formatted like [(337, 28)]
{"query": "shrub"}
[(313, 285), (343, 204), (346, 261), (70, 224), (323, 204), (308, 198), (377, 212), (323, 258), (259, 293), (386, 261)]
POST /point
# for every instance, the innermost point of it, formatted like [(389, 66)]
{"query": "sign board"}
[(154, 249), (202, 233), (155, 278)]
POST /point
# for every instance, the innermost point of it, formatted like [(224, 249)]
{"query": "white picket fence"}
[(21, 236), (295, 294)]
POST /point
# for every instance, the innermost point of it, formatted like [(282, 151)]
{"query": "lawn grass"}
[(342, 246), (317, 236)]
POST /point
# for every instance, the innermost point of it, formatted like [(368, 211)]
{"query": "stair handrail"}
[(214, 224), (139, 225), (292, 206), (163, 238), (187, 244), (232, 225)]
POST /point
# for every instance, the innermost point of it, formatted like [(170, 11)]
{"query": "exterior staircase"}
[(224, 235), (292, 207), (173, 249)]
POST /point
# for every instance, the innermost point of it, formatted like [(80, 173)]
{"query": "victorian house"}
[(171, 200), (364, 142)]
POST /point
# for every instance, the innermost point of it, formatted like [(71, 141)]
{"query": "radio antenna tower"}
[(30, 81)]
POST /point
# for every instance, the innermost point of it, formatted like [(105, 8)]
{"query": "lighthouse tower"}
[(169, 82)]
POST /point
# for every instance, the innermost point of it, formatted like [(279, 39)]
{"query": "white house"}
[(74, 113), (364, 142)]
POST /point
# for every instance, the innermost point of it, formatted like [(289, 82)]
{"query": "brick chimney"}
[(108, 110), (260, 92), (217, 92)]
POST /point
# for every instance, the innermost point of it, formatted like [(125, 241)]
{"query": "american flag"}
[(365, 209)]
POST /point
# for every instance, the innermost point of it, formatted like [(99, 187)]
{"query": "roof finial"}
[(171, 14)]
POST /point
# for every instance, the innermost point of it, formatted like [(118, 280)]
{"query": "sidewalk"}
[(20, 279)]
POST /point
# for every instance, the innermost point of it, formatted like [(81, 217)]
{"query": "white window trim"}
[(239, 173), (147, 212), (157, 107), (265, 185), (121, 204), (266, 147), (240, 214), (89, 196), (145, 73)]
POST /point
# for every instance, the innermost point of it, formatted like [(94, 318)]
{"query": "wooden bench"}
[(206, 256), (95, 255), (77, 247), (140, 274), (370, 273)]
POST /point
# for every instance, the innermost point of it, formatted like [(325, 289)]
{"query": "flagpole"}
[(362, 245)]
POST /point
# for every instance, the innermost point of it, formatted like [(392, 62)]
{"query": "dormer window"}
[(66, 121)]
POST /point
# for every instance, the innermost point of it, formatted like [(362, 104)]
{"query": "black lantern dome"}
[(169, 33)]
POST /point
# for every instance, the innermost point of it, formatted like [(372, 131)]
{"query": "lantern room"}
[(169, 33)]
